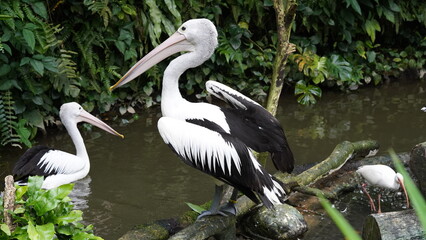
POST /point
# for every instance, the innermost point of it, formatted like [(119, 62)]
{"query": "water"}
[(138, 179)]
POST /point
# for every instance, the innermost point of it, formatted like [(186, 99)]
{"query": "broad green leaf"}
[(73, 216), (5, 229), (29, 38), (24, 60), (20, 191), (40, 9), (371, 26), (390, 16), (38, 66), (172, 8), (371, 56), (339, 220), (354, 4), (195, 207), (34, 183), (4, 69), (121, 46), (38, 100), (41, 232), (394, 7), (34, 117), (62, 191)]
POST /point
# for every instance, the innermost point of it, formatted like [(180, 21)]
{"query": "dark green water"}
[(138, 179)]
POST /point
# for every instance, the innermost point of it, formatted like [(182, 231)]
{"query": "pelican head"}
[(72, 113), (197, 36)]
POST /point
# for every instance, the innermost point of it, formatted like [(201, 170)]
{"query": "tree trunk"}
[(393, 225), (9, 201), (285, 11)]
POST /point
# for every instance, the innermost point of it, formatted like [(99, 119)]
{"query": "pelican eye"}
[(183, 28)]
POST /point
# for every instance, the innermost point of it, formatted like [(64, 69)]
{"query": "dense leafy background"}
[(53, 52)]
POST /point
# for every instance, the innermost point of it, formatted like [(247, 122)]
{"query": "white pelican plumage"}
[(381, 176), (56, 166), (216, 140)]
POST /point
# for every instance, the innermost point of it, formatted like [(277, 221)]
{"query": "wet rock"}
[(286, 222)]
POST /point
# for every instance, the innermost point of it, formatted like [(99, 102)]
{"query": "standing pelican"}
[(215, 140), (56, 166)]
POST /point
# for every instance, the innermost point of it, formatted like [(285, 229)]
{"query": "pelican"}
[(56, 166), (218, 141), (381, 176)]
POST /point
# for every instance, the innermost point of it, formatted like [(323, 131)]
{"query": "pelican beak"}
[(89, 118), (401, 183), (174, 44)]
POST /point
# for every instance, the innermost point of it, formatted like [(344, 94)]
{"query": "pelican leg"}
[(214, 208), (229, 208), (372, 206)]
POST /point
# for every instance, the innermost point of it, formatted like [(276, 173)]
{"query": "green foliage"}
[(11, 131), (74, 50), (45, 214), (360, 42)]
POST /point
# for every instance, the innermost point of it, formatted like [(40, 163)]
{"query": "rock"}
[(286, 222), (418, 165), (146, 232)]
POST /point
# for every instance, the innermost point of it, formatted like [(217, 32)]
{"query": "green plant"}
[(45, 214), (11, 131)]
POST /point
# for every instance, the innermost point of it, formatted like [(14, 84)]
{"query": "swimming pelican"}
[(56, 166)]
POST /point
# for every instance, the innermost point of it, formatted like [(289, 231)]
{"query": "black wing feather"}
[(250, 182), (261, 131), (27, 164)]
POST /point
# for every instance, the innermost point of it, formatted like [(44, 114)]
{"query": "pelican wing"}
[(254, 125), (45, 161), (222, 156)]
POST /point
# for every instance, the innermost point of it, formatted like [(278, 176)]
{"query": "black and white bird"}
[(382, 176), (218, 141), (56, 166)]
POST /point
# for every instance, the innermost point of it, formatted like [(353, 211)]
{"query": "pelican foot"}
[(226, 210)]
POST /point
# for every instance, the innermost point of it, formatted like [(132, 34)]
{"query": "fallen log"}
[(393, 225)]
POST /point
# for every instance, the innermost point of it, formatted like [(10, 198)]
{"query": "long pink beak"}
[(174, 44), (89, 118), (401, 183)]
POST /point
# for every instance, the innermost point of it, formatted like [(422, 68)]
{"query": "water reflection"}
[(138, 179)]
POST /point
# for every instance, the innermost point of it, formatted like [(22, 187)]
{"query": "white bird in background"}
[(56, 166), (212, 139), (423, 109), (381, 176)]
